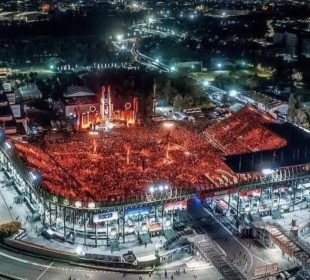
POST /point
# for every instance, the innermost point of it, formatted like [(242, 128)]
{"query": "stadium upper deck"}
[(245, 131)]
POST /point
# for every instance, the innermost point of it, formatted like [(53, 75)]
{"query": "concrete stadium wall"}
[(151, 263), (39, 250), (33, 249)]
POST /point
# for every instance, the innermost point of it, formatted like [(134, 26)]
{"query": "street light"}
[(206, 83), (119, 37), (80, 251), (233, 93), (172, 68), (219, 65), (157, 60)]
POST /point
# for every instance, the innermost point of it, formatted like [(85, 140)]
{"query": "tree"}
[(8, 229)]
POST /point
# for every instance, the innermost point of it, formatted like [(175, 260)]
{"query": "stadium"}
[(134, 181)]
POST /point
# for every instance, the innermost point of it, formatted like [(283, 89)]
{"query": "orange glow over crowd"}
[(124, 162), (245, 132)]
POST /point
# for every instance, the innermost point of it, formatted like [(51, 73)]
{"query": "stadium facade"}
[(158, 211)]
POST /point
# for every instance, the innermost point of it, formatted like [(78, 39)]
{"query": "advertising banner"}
[(103, 217), (137, 211)]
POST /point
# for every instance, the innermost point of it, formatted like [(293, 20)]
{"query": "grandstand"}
[(243, 132)]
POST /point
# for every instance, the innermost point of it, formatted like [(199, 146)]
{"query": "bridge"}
[(204, 247)]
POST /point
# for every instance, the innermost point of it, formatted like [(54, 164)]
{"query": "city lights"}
[(154, 139), (119, 37), (233, 93), (206, 83)]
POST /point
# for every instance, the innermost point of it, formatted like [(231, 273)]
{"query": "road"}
[(245, 255), (33, 268)]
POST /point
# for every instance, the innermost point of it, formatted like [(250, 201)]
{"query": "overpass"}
[(204, 247)]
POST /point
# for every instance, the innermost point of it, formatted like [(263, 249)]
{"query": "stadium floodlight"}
[(268, 171), (91, 205), (152, 189), (161, 188), (33, 176), (166, 187), (8, 145), (233, 93), (78, 204)]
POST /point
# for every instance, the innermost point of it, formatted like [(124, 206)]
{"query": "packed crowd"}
[(124, 162), (245, 131)]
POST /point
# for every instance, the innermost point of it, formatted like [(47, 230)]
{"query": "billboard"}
[(145, 210), (103, 217), (175, 205)]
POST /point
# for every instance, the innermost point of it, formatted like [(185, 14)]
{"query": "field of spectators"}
[(124, 162)]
